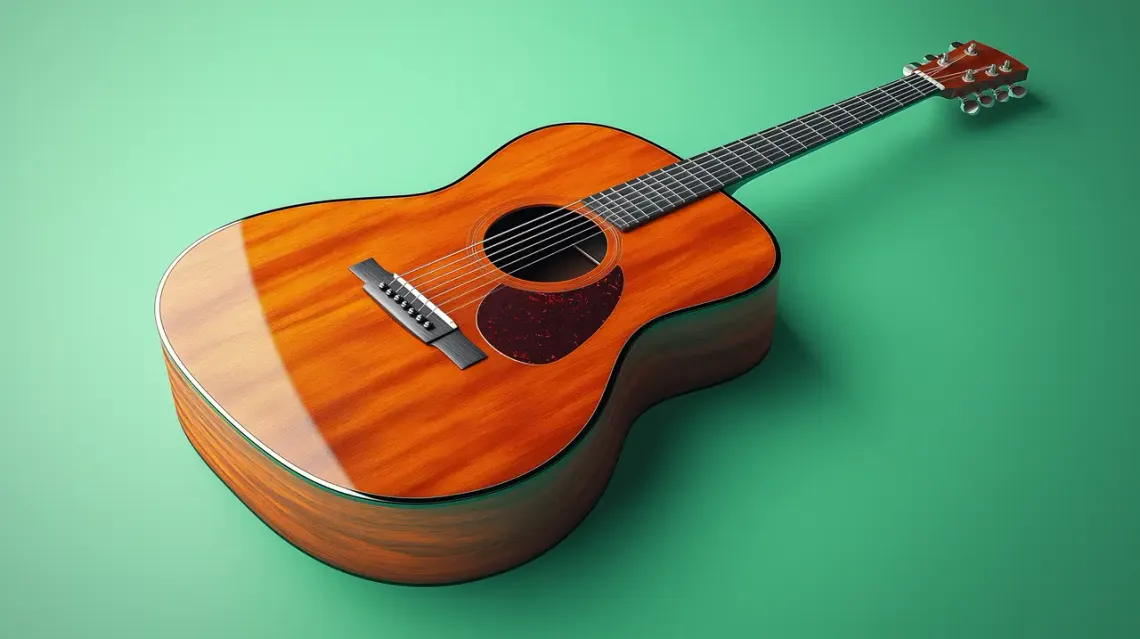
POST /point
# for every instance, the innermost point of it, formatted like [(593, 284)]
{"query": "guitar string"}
[(419, 283), (869, 109), (569, 208), (581, 225)]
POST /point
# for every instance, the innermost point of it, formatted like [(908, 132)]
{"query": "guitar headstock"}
[(974, 73)]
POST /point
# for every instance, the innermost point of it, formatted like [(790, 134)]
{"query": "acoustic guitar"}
[(433, 388)]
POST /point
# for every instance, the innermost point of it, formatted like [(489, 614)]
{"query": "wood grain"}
[(465, 539), (266, 319)]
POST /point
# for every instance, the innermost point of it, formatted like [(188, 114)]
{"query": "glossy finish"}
[(265, 321), (973, 68), (464, 539)]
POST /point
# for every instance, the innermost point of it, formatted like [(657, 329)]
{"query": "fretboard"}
[(654, 194)]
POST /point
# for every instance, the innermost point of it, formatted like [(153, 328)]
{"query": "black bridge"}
[(416, 313)]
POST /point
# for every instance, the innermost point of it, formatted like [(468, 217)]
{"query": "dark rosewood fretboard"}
[(654, 194)]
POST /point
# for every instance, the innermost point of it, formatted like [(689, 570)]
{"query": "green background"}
[(943, 442)]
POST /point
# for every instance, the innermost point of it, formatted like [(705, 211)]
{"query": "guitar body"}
[(373, 452)]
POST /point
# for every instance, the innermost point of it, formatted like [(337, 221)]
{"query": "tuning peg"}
[(1017, 91), (992, 70), (930, 57), (955, 45), (972, 49), (1001, 94), (944, 60), (1006, 66), (970, 107)]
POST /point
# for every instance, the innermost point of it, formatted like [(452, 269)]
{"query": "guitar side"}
[(327, 485)]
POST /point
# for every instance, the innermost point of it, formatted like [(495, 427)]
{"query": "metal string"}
[(797, 126), (570, 209), (584, 225)]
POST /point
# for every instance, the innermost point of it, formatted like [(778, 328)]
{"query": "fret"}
[(860, 98), (691, 194), (712, 155), (666, 196), (729, 174), (658, 192), (839, 114), (908, 84), (632, 210), (886, 93), (715, 184), (771, 147), (622, 218), (702, 187), (799, 133), (658, 197), (880, 103), (783, 141), (814, 130), (823, 116), (754, 158), (859, 110), (732, 161), (904, 90), (635, 196)]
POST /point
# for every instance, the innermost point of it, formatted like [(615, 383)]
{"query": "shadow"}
[(791, 377), (1030, 105)]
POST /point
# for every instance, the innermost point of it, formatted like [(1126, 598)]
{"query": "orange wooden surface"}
[(265, 317), (464, 539)]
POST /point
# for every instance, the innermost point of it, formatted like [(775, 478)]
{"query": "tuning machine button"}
[(970, 106), (930, 57), (1016, 91), (955, 45), (986, 100), (910, 67), (1001, 93)]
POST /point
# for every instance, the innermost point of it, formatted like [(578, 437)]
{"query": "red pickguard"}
[(539, 328)]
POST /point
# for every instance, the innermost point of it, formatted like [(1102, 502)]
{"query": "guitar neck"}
[(654, 194)]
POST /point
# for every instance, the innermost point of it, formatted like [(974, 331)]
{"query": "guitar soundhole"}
[(544, 244)]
